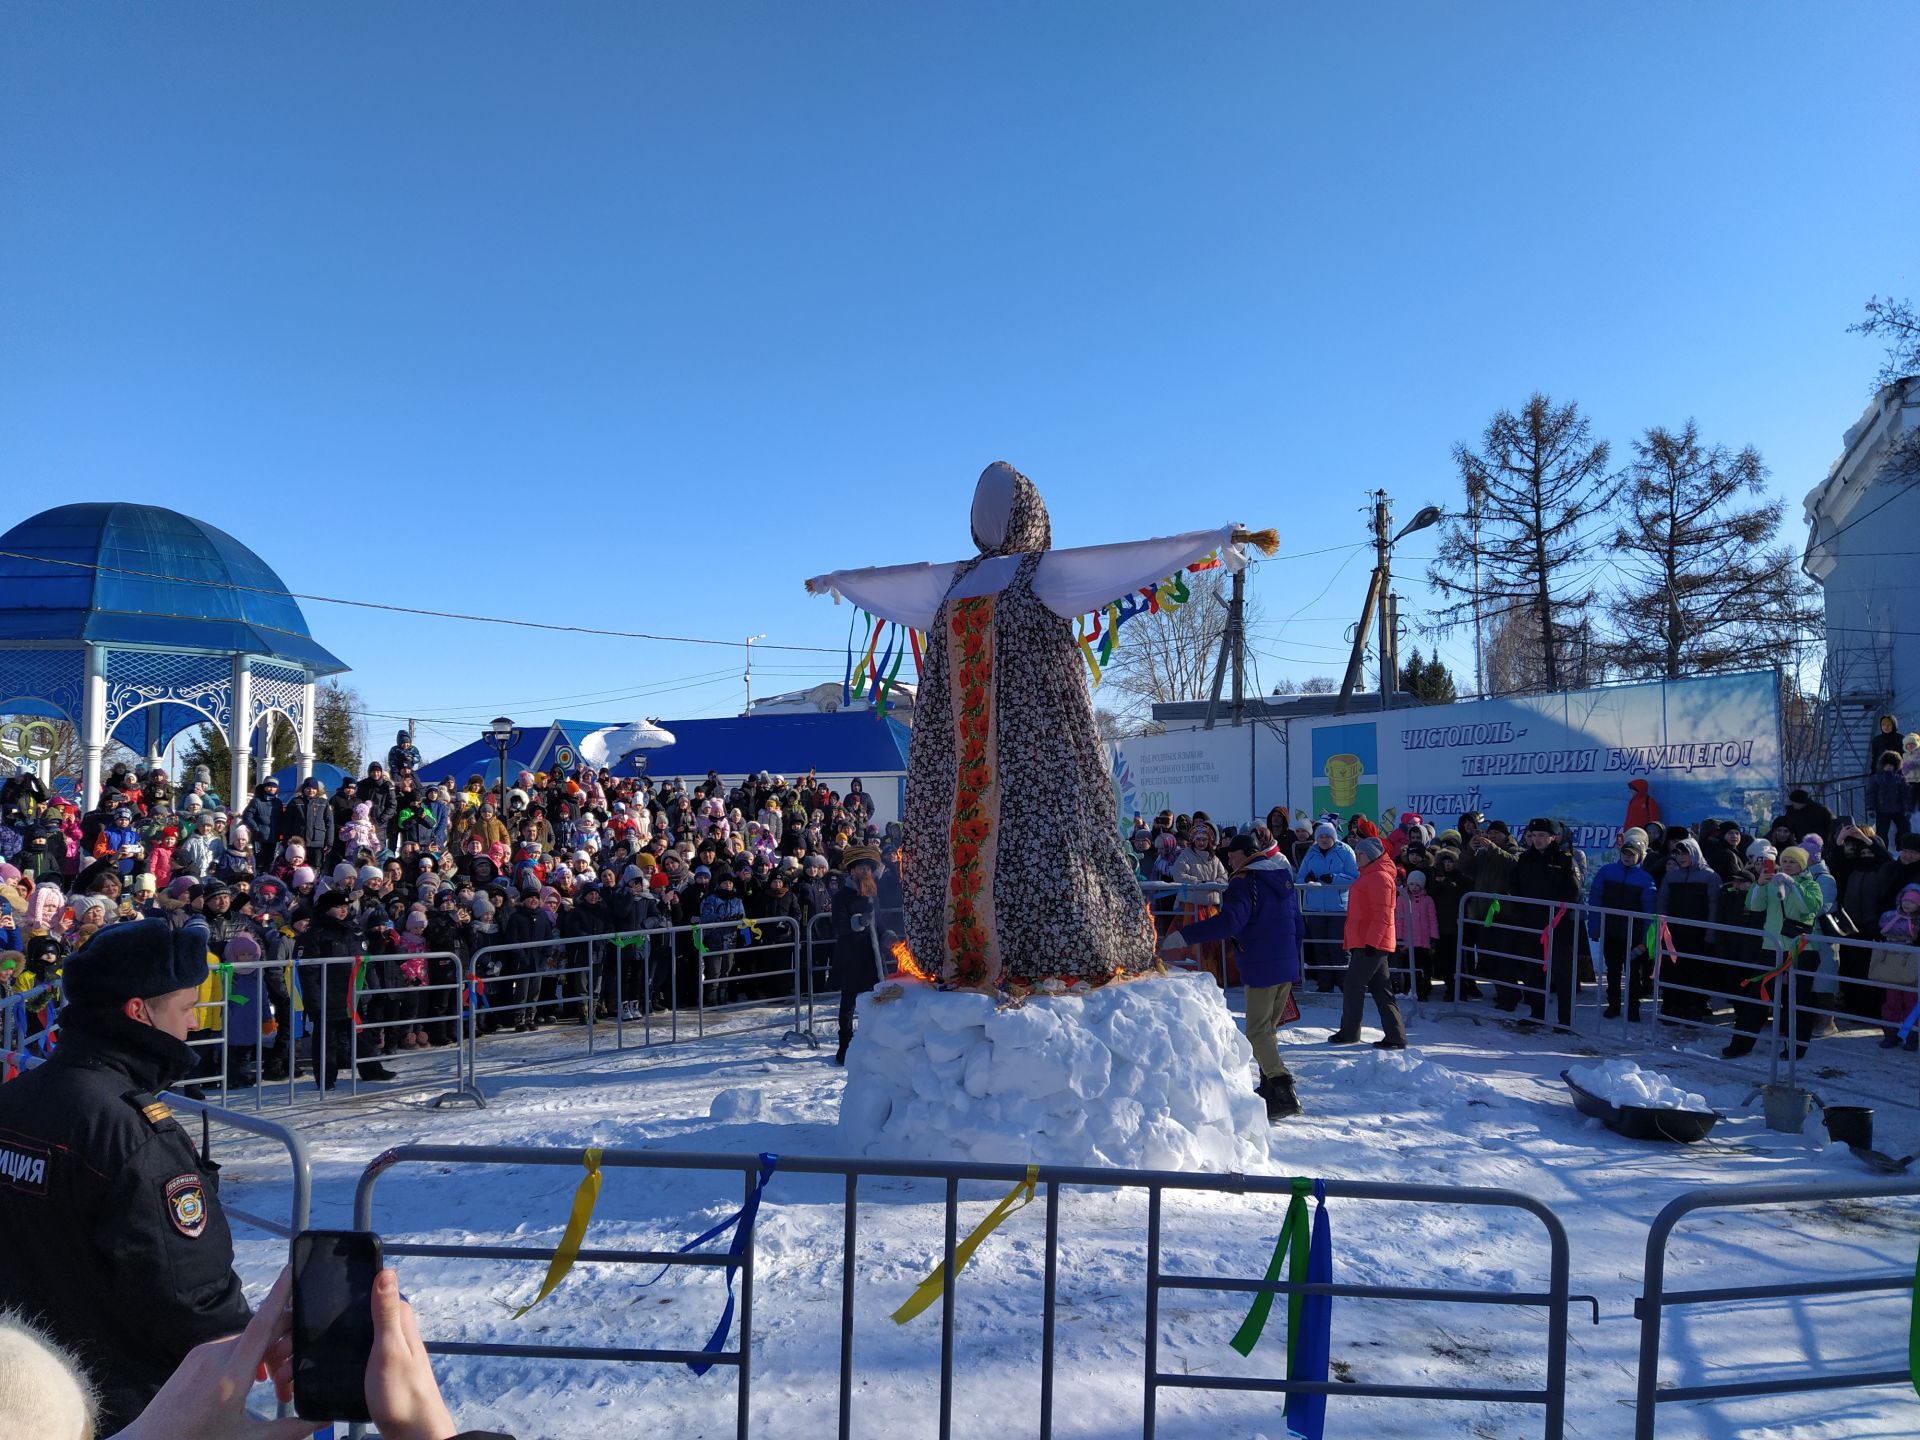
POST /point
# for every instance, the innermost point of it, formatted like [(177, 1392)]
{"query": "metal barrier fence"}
[(1690, 969), (1656, 1299), (1555, 1299), (1324, 936)]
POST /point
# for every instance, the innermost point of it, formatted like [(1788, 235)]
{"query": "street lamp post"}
[(1378, 594), (748, 677), (503, 736)]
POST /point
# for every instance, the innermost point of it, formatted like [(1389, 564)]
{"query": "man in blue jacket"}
[(1261, 911)]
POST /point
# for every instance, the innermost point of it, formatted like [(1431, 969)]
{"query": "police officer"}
[(119, 1246), (856, 956)]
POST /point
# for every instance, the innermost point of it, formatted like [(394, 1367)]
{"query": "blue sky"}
[(633, 316)]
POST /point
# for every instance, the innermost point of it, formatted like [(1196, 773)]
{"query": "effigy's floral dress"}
[(1015, 869)]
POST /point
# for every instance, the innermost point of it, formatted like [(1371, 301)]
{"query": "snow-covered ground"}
[(1474, 1102)]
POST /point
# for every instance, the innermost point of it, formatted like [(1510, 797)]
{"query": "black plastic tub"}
[(1850, 1124), (1642, 1122)]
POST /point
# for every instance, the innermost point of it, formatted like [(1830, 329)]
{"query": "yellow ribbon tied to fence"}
[(930, 1289), (584, 1199)]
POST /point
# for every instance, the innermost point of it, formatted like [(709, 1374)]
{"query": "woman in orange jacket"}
[(1370, 941)]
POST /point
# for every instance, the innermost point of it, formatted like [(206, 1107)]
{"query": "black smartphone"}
[(333, 1274)]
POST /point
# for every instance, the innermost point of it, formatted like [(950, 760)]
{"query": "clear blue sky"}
[(675, 305)]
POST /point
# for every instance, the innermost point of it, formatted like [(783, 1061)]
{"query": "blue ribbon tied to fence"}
[(741, 1223), (1307, 1252)]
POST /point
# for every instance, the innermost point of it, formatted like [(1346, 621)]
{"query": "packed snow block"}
[(1151, 1074)]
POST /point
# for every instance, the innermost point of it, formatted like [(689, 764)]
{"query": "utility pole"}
[(1233, 644), (748, 677), (1380, 595), (1376, 598)]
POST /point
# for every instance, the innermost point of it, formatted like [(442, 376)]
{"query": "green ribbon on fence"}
[(1493, 913), (225, 972), (1913, 1330), (1291, 1247)]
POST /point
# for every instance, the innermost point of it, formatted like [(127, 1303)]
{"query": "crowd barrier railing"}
[(1655, 1299), (1549, 1397), (1324, 945), (1772, 982)]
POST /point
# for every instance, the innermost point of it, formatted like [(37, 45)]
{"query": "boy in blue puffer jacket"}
[(1260, 910)]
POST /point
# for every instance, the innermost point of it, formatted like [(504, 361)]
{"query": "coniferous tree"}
[(1703, 586), (1537, 483)]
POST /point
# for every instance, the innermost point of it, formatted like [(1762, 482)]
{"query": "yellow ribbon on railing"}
[(930, 1289), (568, 1250)]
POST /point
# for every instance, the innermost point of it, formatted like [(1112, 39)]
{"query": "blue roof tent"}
[(329, 776), (482, 758), (846, 742), (197, 588)]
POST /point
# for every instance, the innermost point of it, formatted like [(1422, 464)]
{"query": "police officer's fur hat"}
[(137, 959)]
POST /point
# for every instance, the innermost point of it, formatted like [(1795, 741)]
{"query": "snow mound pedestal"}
[(1151, 1074)]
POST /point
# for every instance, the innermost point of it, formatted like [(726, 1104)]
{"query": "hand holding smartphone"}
[(333, 1277)]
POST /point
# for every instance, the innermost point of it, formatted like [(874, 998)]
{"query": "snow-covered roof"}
[(1893, 413)]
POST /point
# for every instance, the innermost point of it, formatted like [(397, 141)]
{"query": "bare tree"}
[(1703, 586), (1170, 655), (1897, 323), (1536, 482)]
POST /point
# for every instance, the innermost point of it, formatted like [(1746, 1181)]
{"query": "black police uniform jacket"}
[(119, 1245)]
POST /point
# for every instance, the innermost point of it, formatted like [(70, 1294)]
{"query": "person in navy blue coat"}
[(1261, 911)]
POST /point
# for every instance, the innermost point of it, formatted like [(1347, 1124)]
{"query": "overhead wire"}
[(414, 609)]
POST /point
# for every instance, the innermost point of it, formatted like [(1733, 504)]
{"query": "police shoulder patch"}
[(186, 1197), (156, 1112)]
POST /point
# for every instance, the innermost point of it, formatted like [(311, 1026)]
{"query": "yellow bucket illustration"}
[(1343, 778)]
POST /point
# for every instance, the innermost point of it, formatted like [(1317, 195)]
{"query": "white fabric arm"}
[(910, 594), (1074, 582)]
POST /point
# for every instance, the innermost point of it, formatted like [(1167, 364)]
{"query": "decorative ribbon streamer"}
[(1659, 941), (742, 1237), (1546, 936), (564, 1254), (919, 665), (931, 1288), (225, 972), (1307, 1251), (893, 676), (846, 681), (1766, 995), (355, 978)]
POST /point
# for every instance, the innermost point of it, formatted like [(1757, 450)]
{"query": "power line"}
[(411, 609)]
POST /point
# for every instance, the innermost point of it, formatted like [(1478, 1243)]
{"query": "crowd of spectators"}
[(1838, 895), (367, 904)]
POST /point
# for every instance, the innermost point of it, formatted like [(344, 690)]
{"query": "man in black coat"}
[(383, 804), (119, 1246), (1546, 876), (309, 818), (324, 955), (856, 960), (526, 924), (262, 818)]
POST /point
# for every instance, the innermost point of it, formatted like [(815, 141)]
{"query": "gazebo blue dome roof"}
[(164, 579)]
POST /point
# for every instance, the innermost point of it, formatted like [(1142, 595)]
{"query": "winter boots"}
[(1277, 1091)]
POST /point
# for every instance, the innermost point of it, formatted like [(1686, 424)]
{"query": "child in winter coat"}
[(412, 944), (1898, 969), (1418, 922), (358, 833)]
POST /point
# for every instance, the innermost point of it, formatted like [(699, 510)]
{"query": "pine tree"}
[(1536, 483), (1703, 586), (337, 738), (1428, 680)]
